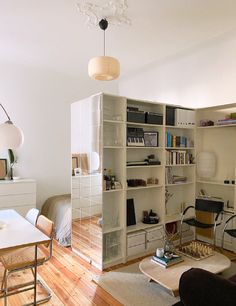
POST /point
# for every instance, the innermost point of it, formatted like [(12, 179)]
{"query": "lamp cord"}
[(5, 112), (104, 46)]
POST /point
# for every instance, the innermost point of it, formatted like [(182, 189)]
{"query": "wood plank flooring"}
[(69, 277), (87, 238)]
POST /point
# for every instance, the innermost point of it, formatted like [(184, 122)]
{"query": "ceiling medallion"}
[(114, 11)]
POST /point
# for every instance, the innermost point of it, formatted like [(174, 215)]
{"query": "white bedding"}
[(58, 209)]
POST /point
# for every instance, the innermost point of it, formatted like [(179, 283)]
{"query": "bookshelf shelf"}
[(182, 165), (180, 127), (113, 147), (180, 148), (113, 190), (179, 184), (144, 124), (150, 148), (144, 187), (141, 226), (215, 183), (172, 218), (146, 166), (113, 121), (216, 126)]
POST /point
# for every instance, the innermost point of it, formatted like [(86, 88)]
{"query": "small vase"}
[(169, 246)]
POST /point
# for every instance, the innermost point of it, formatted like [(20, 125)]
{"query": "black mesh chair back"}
[(211, 206)]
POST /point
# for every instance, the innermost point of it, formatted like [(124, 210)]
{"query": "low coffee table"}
[(169, 277)]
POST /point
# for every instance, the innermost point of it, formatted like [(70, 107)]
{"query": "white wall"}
[(38, 101), (203, 76)]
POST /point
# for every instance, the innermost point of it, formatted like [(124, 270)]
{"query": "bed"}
[(58, 209)]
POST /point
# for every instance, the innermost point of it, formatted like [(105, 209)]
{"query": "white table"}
[(169, 277), (20, 233)]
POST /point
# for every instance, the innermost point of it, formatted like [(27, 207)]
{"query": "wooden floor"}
[(87, 238), (69, 277)]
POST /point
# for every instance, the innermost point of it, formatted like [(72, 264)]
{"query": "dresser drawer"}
[(154, 233), (8, 201), (135, 250), (136, 239), (8, 188)]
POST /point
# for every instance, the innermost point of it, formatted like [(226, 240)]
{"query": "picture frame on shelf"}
[(151, 139), (3, 168), (75, 164)]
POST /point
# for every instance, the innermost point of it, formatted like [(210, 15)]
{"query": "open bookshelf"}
[(149, 150)]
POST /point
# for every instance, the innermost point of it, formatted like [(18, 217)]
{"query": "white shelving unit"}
[(105, 128), (219, 140)]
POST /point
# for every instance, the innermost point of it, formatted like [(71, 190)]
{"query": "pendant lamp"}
[(103, 68), (11, 137)]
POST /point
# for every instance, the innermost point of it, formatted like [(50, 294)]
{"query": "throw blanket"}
[(58, 209)]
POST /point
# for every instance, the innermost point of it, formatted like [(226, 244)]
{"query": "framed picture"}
[(75, 163), (3, 168), (151, 139)]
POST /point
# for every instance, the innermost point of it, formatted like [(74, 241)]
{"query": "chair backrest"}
[(32, 215), (209, 205), (45, 225)]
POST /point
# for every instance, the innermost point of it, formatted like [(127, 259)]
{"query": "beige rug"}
[(130, 287)]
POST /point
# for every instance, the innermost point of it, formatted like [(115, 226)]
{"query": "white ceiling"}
[(53, 34)]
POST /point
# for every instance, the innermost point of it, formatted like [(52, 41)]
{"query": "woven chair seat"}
[(21, 258)]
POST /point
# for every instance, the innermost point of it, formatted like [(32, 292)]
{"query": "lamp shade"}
[(104, 68), (11, 137)]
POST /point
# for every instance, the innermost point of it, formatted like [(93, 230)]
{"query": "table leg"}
[(35, 274)]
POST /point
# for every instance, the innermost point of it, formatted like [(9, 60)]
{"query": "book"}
[(164, 262)]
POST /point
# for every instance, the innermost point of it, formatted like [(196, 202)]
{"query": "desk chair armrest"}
[(184, 212), (227, 222), (221, 213)]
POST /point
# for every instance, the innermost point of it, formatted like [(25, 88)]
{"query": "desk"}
[(20, 233)]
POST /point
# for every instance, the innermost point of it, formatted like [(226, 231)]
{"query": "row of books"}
[(226, 121), (174, 179), (178, 157), (164, 262), (173, 141)]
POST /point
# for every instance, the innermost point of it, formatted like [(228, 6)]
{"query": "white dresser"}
[(18, 194)]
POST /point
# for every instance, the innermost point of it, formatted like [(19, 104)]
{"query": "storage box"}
[(153, 118), (136, 116), (170, 115)]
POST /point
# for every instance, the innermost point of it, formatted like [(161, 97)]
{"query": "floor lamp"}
[(11, 137)]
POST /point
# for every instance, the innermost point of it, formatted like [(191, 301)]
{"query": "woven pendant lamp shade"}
[(104, 68)]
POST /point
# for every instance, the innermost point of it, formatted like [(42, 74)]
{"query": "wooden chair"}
[(32, 215), (24, 258)]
